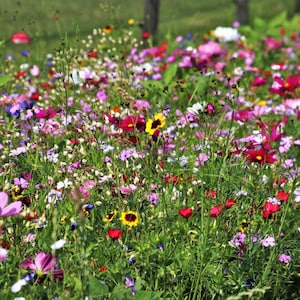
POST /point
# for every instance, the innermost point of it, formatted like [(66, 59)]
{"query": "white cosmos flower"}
[(58, 244), (197, 108), (16, 287), (226, 34)]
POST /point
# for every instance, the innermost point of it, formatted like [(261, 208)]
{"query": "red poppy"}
[(102, 269), (35, 96), (229, 203), (283, 196), (20, 74), (145, 35), (74, 141), (211, 194), (92, 54), (115, 234), (185, 212), (20, 38), (269, 209), (216, 210)]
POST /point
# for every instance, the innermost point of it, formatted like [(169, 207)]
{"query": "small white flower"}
[(58, 244), (226, 34), (197, 108), (16, 287)]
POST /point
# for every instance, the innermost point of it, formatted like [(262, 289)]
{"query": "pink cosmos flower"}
[(101, 95), (42, 265), (3, 254), (284, 258), (49, 113), (268, 241), (210, 49), (11, 209)]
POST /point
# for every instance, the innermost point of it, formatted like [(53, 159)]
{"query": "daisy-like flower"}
[(42, 265), (130, 218), (159, 121), (110, 216), (108, 29)]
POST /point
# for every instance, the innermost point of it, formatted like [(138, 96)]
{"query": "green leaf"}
[(121, 293), (259, 24), (78, 284), (278, 20), (170, 73), (96, 288), (147, 295), (4, 79)]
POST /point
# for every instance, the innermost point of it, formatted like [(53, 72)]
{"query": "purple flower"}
[(21, 182), (238, 239), (268, 241), (130, 283), (201, 159), (11, 209), (284, 258), (42, 265), (153, 198), (101, 95)]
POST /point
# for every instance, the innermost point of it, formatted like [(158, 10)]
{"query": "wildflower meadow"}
[(158, 172)]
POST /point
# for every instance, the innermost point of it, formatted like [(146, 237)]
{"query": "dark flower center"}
[(110, 216), (155, 124), (130, 217)]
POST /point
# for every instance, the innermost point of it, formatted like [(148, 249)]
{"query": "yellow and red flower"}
[(158, 122), (110, 216), (130, 218)]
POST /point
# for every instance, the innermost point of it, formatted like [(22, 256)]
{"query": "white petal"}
[(16, 287), (58, 244)]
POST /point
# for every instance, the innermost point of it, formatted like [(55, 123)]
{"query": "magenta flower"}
[(284, 258), (42, 265), (11, 209)]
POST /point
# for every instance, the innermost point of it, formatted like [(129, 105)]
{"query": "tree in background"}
[(242, 11), (297, 7), (151, 13)]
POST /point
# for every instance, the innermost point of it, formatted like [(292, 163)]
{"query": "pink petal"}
[(45, 262), (12, 209), (3, 201), (20, 38), (28, 263)]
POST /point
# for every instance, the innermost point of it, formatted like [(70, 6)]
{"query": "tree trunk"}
[(297, 7), (242, 11), (151, 12)]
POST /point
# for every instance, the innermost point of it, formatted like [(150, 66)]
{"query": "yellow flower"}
[(131, 21), (158, 122), (110, 216), (108, 29), (17, 192), (130, 218)]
